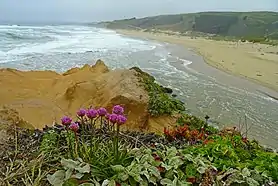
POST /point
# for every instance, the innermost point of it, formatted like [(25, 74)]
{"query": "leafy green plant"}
[(73, 170), (166, 167), (49, 142), (159, 102)]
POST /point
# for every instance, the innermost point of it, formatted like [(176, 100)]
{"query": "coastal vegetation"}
[(258, 27), (93, 149)]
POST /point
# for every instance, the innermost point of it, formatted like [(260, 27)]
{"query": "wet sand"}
[(255, 62)]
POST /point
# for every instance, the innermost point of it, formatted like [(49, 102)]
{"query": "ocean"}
[(62, 47)]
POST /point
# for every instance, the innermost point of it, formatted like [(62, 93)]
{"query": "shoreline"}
[(212, 54)]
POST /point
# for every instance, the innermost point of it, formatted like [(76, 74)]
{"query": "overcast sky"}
[(96, 10)]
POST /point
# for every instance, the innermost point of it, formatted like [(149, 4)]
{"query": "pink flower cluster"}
[(117, 116)]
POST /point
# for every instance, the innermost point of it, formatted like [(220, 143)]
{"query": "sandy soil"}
[(34, 99), (256, 62)]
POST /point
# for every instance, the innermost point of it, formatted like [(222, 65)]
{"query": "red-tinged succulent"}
[(201, 136), (160, 169), (194, 133), (118, 184), (244, 139), (166, 131), (208, 141), (156, 157), (191, 179)]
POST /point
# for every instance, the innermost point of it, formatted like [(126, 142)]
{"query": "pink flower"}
[(113, 118), (81, 112), (102, 111), (117, 109), (74, 127), (121, 120), (91, 113), (66, 120), (107, 116)]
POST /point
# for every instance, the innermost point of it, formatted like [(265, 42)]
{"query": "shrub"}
[(160, 102)]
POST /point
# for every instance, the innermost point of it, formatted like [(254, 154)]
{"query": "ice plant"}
[(92, 113), (117, 109), (102, 111), (81, 112), (66, 120)]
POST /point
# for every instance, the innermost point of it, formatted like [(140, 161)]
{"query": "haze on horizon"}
[(99, 10)]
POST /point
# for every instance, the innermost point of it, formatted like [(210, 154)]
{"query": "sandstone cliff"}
[(39, 98)]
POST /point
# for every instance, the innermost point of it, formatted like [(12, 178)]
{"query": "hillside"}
[(238, 24)]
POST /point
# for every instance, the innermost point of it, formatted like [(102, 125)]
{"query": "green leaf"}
[(166, 181), (84, 169), (201, 170), (175, 162), (188, 157), (87, 184), (118, 168), (69, 163), (123, 176), (169, 174), (146, 174), (112, 183), (105, 183), (171, 152), (144, 182), (175, 182), (78, 175), (153, 180), (184, 183), (71, 182), (146, 158), (136, 176), (57, 179), (154, 171), (252, 182), (68, 174), (167, 167), (246, 172)]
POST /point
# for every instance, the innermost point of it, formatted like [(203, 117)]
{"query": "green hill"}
[(238, 24)]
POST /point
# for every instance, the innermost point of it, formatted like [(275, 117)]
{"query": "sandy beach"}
[(256, 62)]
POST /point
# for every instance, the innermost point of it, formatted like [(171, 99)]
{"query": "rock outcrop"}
[(41, 98)]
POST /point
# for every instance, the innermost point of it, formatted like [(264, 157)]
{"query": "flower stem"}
[(117, 142), (76, 145)]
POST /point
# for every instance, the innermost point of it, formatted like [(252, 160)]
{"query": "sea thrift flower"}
[(113, 118), (102, 111), (81, 112), (121, 120), (91, 113), (66, 120), (117, 109), (74, 127), (107, 116)]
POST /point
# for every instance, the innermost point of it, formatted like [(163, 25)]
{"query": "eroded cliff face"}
[(39, 98)]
